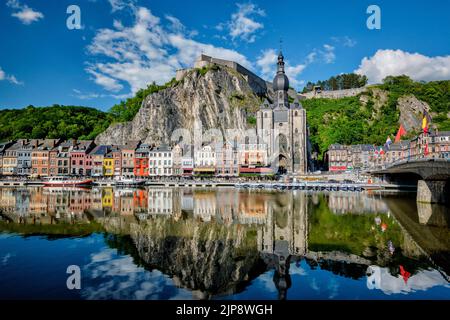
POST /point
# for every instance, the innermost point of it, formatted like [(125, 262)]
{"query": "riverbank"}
[(276, 185)]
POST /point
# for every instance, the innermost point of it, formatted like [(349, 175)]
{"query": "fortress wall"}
[(335, 94)]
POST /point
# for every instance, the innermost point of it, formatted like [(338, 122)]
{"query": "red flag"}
[(405, 274), (401, 132)]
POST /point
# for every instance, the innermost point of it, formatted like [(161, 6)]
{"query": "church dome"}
[(281, 81)]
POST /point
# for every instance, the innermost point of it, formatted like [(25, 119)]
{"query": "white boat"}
[(64, 181), (121, 181)]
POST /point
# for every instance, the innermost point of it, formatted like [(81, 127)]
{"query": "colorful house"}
[(40, 156), (108, 164), (161, 161), (141, 161), (98, 155), (10, 159), (128, 153), (24, 157), (3, 147), (80, 159)]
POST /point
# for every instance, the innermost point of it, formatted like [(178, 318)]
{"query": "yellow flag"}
[(424, 122)]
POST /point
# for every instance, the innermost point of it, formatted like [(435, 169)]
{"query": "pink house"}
[(80, 160)]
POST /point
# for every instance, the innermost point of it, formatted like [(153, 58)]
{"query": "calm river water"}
[(225, 243)]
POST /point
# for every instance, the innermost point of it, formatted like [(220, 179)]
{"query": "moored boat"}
[(63, 181), (121, 181)]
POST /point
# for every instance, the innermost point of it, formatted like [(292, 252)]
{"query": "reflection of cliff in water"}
[(210, 258)]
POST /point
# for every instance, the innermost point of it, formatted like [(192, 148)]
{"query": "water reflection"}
[(224, 242)]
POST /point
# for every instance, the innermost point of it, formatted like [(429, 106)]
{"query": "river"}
[(223, 243)]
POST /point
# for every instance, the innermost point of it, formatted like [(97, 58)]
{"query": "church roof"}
[(281, 81), (266, 104), (296, 104)]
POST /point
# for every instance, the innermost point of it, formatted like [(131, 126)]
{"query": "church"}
[(282, 127)]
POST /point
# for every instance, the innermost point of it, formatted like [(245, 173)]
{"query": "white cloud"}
[(94, 95), (243, 24), (117, 5), (24, 13), (325, 54), (328, 53), (147, 51), (112, 276), (397, 62), (10, 78), (310, 58), (346, 41), (267, 63), (106, 82)]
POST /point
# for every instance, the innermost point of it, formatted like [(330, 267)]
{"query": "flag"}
[(401, 132), (405, 274), (388, 142), (425, 122)]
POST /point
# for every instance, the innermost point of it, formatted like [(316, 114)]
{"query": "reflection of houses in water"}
[(126, 199), (163, 201), (253, 208), (347, 202), (227, 206), (187, 200), (38, 202), (7, 200), (205, 205)]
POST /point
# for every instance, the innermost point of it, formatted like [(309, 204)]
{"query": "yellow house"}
[(107, 198), (108, 165)]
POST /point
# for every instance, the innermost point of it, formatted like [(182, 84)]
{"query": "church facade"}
[(281, 125)]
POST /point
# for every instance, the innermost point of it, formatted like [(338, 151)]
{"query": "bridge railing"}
[(409, 159)]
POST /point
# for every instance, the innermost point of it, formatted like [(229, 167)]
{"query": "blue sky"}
[(124, 45)]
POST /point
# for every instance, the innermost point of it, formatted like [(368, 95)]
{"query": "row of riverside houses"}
[(52, 157), (363, 157)]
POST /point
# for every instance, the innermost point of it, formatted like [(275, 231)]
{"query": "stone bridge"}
[(432, 176)]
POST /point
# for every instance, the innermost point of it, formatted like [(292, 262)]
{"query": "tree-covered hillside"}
[(351, 121), (69, 121), (52, 122)]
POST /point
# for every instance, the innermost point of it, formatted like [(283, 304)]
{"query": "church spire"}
[(280, 62)]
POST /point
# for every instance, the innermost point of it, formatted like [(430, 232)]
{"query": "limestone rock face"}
[(220, 99), (411, 112)]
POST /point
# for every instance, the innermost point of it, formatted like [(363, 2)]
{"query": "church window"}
[(265, 114), (296, 113), (296, 130), (280, 124)]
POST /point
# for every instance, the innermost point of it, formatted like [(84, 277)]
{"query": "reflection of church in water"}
[(285, 234)]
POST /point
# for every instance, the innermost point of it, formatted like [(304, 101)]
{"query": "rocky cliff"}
[(218, 97)]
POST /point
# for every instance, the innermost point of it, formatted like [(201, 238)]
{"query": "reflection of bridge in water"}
[(203, 238), (432, 177)]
